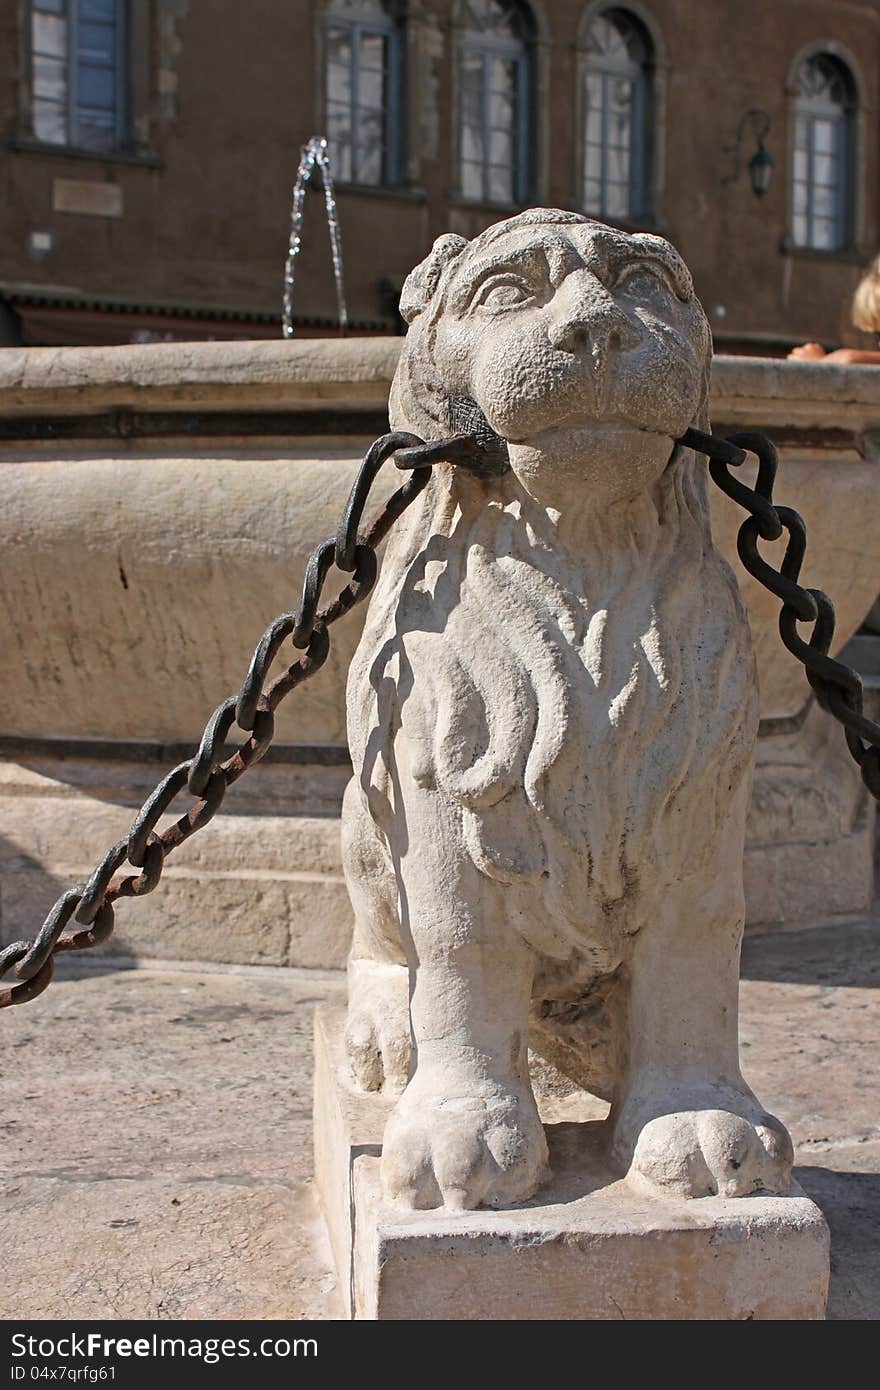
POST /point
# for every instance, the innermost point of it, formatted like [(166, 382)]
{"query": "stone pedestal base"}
[(810, 830), (586, 1247)]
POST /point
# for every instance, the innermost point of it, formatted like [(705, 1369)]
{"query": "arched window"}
[(494, 100), (616, 107), (363, 77), (821, 179), (79, 72)]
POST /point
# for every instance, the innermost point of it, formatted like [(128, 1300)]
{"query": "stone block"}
[(262, 885), (810, 830), (802, 882), (586, 1248)]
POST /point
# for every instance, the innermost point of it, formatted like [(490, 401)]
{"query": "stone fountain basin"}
[(826, 421), (139, 569)]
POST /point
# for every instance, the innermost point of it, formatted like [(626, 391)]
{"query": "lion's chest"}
[(592, 744)]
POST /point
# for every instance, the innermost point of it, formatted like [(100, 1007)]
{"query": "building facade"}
[(149, 148)]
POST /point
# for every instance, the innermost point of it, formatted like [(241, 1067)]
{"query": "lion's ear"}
[(420, 284)]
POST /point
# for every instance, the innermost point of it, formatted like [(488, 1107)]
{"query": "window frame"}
[(844, 118), (642, 198), (70, 106), (520, 50), (389, 29)]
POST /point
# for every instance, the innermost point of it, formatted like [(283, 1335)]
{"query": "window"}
[(494, 99), (616, 109), (78, 57), (821, 181), (363, 81)]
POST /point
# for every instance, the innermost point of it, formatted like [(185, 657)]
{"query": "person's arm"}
[(808, 352), (854, 357)]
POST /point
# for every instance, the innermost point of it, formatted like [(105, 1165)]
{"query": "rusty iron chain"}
[(837, 687), (253, 708)]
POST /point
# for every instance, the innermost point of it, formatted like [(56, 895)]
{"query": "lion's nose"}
[(592, 322)]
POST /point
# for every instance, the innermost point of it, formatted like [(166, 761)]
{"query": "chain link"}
[(90, 905), (837, 687)]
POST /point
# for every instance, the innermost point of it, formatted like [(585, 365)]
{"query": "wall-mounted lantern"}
[(760, 166)]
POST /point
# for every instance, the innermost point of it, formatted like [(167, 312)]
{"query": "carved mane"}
[(566, 702)]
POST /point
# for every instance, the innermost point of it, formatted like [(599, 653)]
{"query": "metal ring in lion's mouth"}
[(466, 417)]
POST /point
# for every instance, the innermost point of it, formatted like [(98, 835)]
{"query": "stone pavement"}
[(157, 1146)]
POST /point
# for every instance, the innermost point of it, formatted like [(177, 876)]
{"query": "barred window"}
[(821, 181), (494, 100), (363, 91), (79, 73), (617, 116)]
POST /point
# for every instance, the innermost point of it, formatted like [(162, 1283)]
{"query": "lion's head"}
[(561, 648), (584, 347)]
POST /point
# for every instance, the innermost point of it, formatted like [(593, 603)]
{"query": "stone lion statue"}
[(552, 715)]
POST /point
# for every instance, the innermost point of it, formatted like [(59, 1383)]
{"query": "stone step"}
[(863, 653)]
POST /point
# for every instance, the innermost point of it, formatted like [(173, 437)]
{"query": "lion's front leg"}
[(685, 1121), (377, 1033), (466, 1131)]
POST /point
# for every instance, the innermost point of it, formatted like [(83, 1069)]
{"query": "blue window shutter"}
[(98, 72)]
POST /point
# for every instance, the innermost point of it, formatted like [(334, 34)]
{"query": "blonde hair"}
[(866, 300)]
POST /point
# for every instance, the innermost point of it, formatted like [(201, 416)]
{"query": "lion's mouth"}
[(581, 422)]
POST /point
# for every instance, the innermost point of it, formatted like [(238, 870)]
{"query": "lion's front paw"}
[(704, 1152), (377, 1031), (463, 1151)]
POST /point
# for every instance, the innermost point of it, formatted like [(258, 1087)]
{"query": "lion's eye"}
[(504, 294), (642, 283)]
